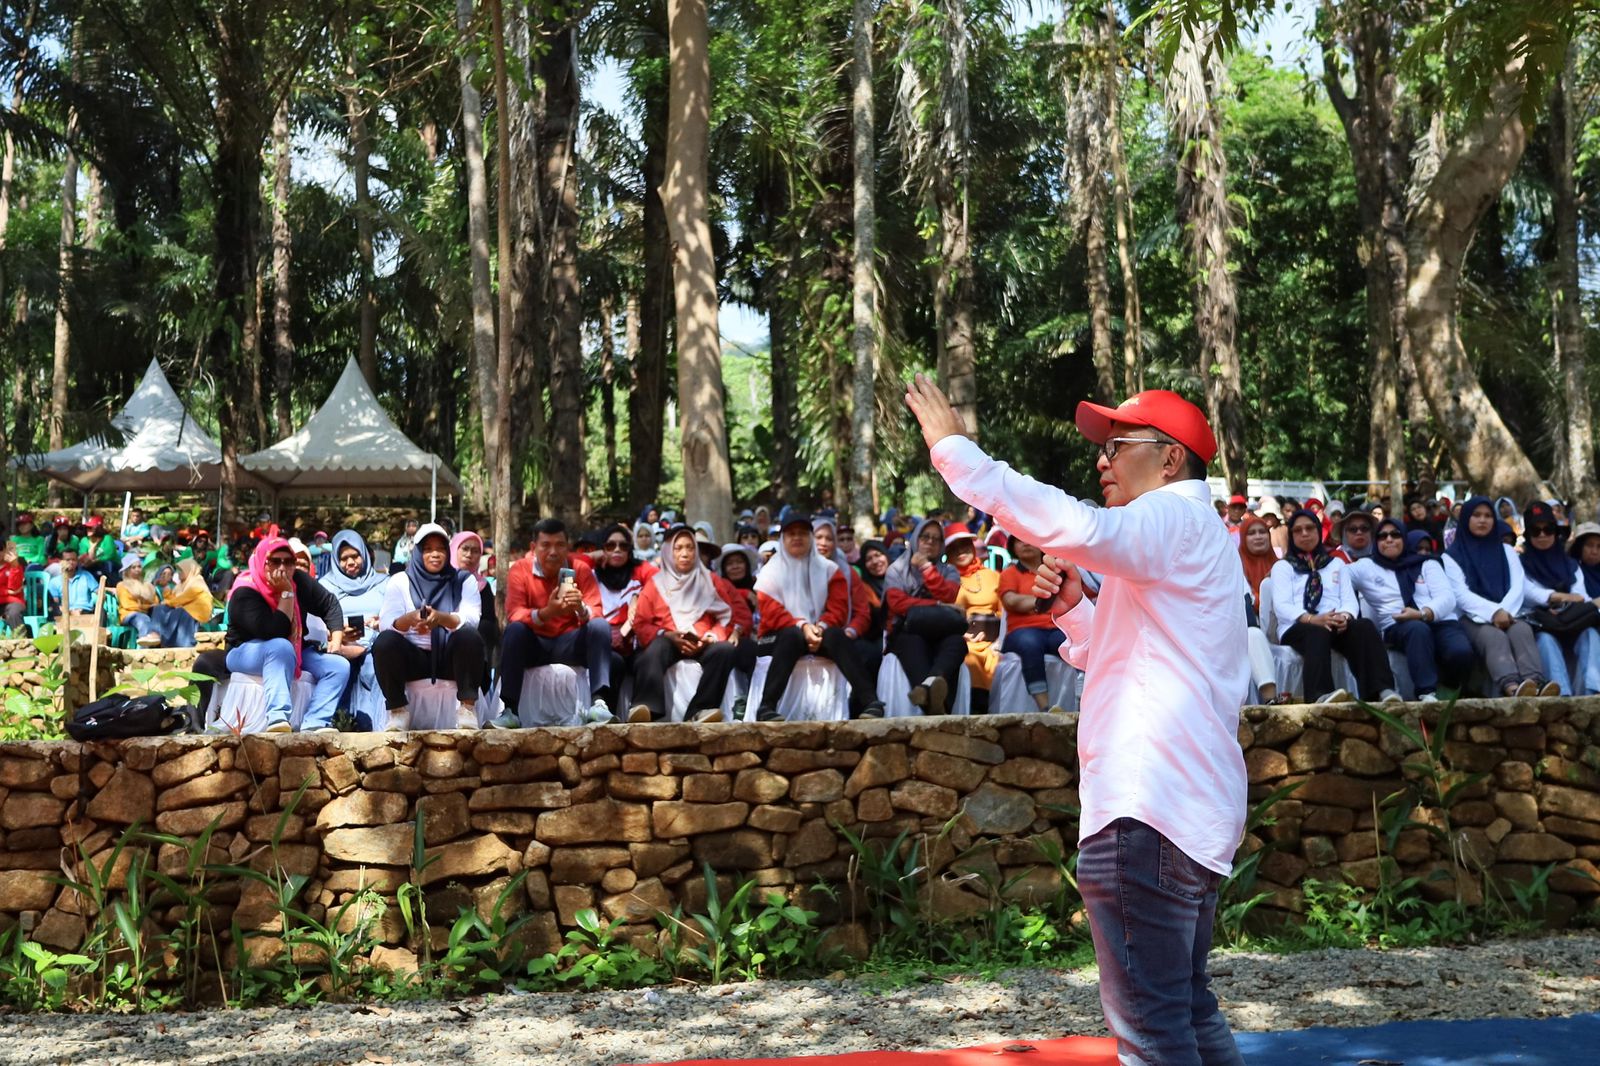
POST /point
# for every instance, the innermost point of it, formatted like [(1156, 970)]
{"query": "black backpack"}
[(117, 716)]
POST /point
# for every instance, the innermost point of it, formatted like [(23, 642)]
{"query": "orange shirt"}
[(1015, 580), (527, 593), (652, 616)]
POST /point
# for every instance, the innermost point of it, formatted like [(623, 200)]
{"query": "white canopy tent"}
[(162, 449), (351, 446)]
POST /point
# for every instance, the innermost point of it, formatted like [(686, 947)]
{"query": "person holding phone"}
[(554, 615), (682, 614), (429, 629), (267, 613), (359, 586), (1162, 782)]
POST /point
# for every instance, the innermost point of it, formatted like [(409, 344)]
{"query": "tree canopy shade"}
[(154, 446), (349, 446)]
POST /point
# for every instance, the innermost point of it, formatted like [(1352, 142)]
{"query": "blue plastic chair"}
[(35, 613)]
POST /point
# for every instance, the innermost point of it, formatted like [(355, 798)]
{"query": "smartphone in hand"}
[(566, 576)]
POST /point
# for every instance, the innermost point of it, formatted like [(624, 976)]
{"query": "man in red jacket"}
[(550, 620)]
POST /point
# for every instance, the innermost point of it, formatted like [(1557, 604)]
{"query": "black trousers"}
[(587, 647), (923, 658), (213, 664), (396, 661), (788, 646), (650, 668), (1360, 644)]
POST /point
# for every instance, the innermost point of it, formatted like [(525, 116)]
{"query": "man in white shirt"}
[(1162, 778)]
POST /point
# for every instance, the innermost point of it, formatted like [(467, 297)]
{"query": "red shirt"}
[(527, 593), (943, 592), (1013, 579), (653, 617), (11, 581), (861, 602), (774, 616), (739, 600)]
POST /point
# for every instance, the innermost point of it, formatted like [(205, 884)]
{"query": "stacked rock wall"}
[(624, 818)]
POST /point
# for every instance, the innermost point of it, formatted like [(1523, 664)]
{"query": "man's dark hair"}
[(69, 549), (1194, 467), (549, 527)]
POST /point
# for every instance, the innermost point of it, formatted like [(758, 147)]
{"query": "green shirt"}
[(30, 548)]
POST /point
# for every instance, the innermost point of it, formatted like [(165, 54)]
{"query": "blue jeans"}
[(1150, 909), (1432, 648), (1553, 653), (273, 661), (1031, 645)]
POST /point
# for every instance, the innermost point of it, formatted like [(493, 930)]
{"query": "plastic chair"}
[(999, 558), (35, 613), (817, 691), (1008, 694), (1290, 664), (553, 695), (894, 689), (117, 634), (684, 677), (239, 704)]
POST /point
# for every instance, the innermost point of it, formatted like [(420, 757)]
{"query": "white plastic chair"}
[(239, 704), (1009, 692), (894, 689), (683, 678), (817, 691), (553, 695)]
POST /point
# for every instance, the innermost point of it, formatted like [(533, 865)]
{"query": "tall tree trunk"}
[(1083, 98), (8, 165), (250, 350), (562, 301), (863, 280), (608, 411), (282, 259), (1122, 202), (783, 366), (500, 411), (1368, 118), (1473, 169), (1203, 208), (360, 170), (66, 258), (1566, 298), (647, 400), (484, 359), (707, 479), (953, 299), (531, 221)]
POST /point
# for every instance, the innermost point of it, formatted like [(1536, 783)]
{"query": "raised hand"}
[(1059, 579), (934, 413)]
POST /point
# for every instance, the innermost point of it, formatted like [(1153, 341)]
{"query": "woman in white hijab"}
[(802, 599), (680, 615)]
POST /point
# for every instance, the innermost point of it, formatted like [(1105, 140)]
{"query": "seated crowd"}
[(1447, 589)]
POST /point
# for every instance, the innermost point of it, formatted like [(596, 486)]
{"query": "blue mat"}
[(1482, 1042)]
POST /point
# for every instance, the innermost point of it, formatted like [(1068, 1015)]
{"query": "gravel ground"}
[(1525, 978)]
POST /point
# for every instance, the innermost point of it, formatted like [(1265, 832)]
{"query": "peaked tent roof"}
[(349, 445), (163, 449)]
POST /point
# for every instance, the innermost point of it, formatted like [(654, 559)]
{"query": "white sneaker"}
[(1427, 697), (1338, 695), (278, 723), (508, 720), (710, 714), (466, 717), (400, 721), (1389, 695), (598, 713), (150, 640)]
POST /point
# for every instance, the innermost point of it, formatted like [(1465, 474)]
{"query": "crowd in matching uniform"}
[(1475, 593)]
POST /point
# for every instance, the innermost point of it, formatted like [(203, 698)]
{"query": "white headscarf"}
[(838, 559), (801, 585), (691, 595)]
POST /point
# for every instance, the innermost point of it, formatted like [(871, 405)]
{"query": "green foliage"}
[(593, 957), (35, 715)]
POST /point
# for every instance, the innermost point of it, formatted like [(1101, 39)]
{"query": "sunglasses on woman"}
[(1390, 534), (1542, 531), (616, 545)]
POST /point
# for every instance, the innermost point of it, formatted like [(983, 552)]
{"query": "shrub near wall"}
[(618, 818)]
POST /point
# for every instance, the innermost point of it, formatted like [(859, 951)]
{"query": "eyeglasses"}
[(1542, 531), (279, 564), (1110, 448), (616, 545), (1391, 535)]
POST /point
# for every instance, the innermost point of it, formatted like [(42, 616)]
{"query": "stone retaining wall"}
[(622, 818)]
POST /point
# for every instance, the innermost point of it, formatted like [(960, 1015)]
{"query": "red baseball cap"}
[(95, 521), (1236, 498), (958, 531), (1158, 409)]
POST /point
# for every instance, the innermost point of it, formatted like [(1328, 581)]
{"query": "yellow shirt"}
[(980, 594), (194, 597), (128, 603)]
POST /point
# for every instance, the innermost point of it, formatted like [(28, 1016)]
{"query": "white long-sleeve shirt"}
[(1536, 595), (397, 600), (1289, 593), (1163, 648), (1380, 592), (1475, 607)]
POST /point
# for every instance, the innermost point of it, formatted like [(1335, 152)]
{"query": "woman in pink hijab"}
[(267, 612)]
